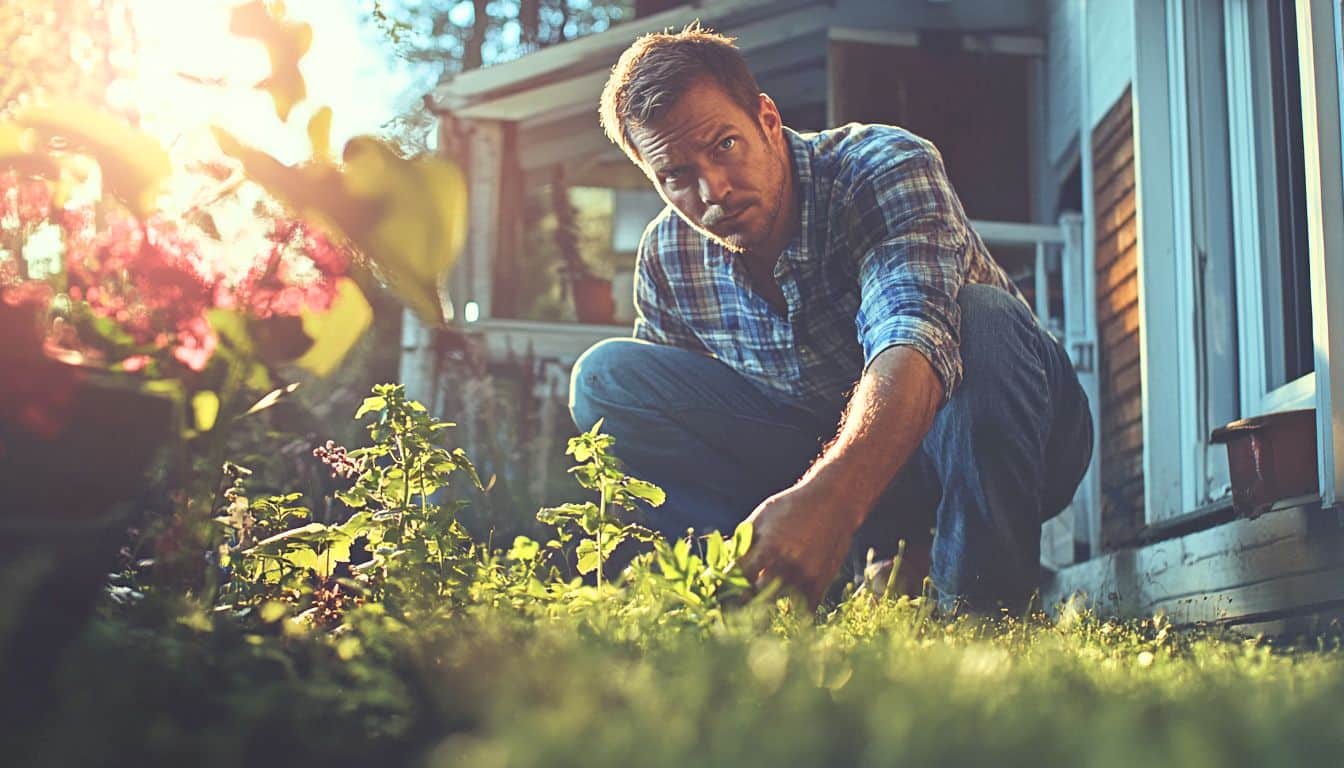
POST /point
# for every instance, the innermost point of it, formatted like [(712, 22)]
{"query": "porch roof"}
[(781, 39), (573, 73)]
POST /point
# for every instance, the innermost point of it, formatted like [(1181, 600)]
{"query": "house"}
[(1162, 177)]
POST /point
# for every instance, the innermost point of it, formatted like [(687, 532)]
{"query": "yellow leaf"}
[(286, 42), (448, 192), (134, 164), (205, 408), (408, 217), (313, 192), (335, 331), (319, 135), (422, 227), (15, 141)]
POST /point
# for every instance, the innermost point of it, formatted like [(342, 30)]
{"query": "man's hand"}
[(801, 537)]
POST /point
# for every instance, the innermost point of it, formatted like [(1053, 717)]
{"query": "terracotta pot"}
[(66, 502), (592, 300), (1270, 458)]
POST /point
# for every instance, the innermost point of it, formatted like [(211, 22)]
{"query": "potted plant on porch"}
[(593, 302)]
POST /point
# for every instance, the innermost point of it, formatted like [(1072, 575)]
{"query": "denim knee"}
[(999, 334), (592, 373)]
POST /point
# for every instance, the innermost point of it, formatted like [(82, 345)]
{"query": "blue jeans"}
[(1004, 454)]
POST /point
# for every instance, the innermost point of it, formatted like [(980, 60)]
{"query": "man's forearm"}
[(890, 412)]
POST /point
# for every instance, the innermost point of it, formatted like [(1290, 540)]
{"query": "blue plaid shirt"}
[(882, 252)]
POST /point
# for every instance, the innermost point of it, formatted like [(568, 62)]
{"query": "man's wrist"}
[(847, 492)]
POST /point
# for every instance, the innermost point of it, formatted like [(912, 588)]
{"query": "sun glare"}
[(191, 72)]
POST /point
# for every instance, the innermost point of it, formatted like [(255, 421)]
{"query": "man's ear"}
[(767, 116)]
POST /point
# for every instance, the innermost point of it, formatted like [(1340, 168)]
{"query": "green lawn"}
[(433, 649), (614, 679)]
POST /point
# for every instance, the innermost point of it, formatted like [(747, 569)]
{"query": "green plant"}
[(419, 557), (601, 472)]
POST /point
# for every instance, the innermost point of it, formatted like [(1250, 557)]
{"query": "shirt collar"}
[(801, 151)]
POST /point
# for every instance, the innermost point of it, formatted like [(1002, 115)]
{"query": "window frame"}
[(1321, 63), (1251, 125)]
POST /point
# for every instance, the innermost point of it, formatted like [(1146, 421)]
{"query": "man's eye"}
[(728, 143)]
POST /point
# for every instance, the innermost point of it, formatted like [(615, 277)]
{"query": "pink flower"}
[(135, 363), (196, 342), (34, 201)]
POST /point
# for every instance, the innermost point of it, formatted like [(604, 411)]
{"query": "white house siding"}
[(1063, 88), (1110, 54)]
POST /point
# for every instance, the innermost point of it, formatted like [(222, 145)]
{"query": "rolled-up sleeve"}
[(911, 237)]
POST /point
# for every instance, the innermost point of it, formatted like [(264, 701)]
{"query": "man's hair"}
[(658, 68)]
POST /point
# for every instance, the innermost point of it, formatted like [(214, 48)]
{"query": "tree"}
[(451, 36)]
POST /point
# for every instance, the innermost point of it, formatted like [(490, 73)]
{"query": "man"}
[(799, 281)]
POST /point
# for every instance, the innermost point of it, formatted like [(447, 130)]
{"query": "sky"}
[(344, 69)]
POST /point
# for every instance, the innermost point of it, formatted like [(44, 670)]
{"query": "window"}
[(1238, 290), (1287, 286), (1257, 135), (1270, 206)]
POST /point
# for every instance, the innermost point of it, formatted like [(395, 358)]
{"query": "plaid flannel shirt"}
[(882, 252)]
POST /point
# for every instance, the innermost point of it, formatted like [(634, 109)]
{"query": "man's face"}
[(725, 171)]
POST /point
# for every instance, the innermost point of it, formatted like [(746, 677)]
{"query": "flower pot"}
[(592, 300), (66, 501), (1270, 458), (623, 295)]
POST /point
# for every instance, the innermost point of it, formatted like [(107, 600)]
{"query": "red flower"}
[(27, 199), (301, 272), (147, 278)]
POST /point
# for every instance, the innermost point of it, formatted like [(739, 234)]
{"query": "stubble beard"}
[(737, 243)]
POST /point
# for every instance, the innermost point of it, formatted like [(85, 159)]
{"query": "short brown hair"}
[(658, 68)]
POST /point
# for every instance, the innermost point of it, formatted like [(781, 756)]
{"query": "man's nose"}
[(714, 187)]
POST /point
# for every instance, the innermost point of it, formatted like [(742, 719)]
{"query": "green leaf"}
[(370, 404), (310, 532), (681, 551), (645, 490), (578, 448), (714, 549), (741, 539), (587, 553), (523, 549), (349, 647), (460, 458), (272, 611), (572, 511), (303, 558), (337, 552), (336, 330)]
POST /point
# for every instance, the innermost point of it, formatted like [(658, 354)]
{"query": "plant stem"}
[(601, 523)]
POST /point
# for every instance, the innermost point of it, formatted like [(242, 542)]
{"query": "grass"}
[(606, 681)]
